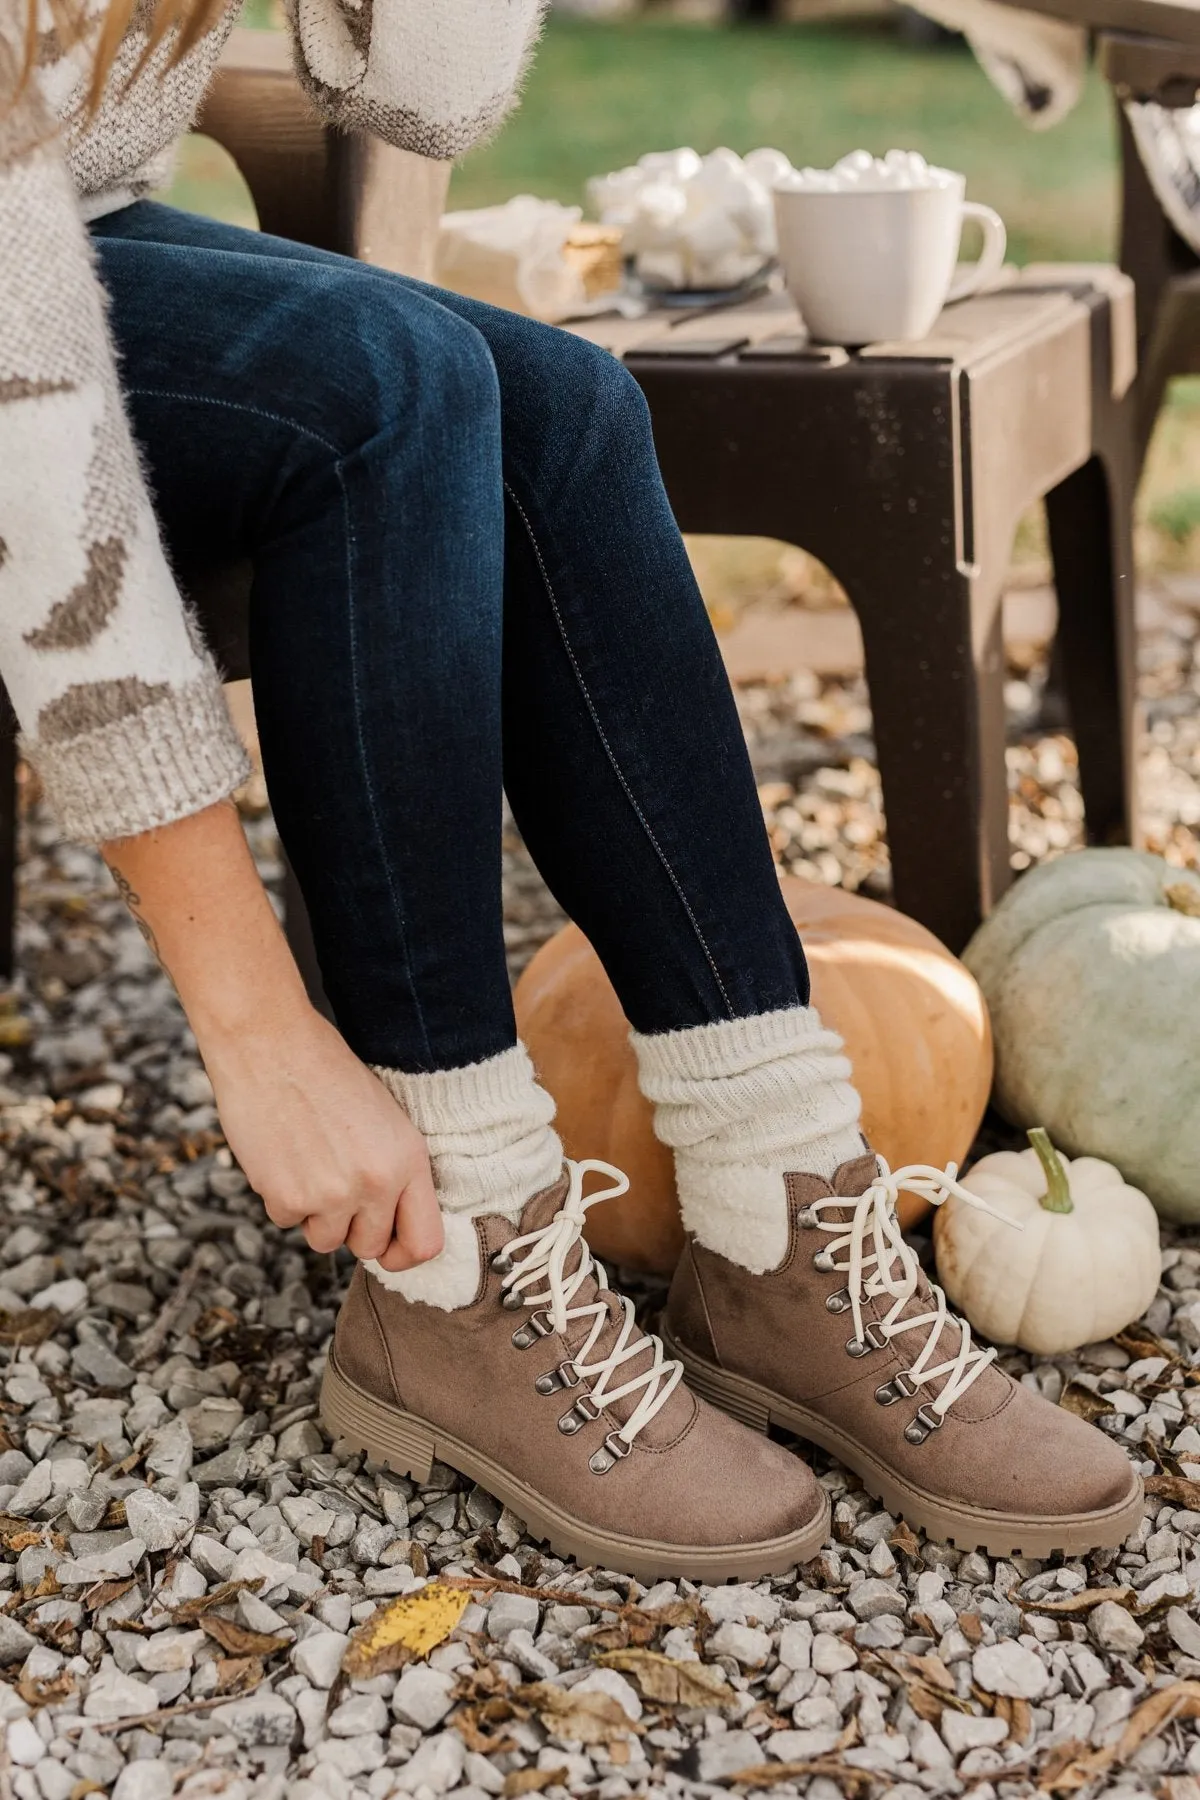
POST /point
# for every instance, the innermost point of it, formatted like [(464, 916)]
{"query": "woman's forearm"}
[(319, 1137), (198, 901)]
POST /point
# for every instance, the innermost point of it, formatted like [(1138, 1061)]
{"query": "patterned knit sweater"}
[(119, 703)]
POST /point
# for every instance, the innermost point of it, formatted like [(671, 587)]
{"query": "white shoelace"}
[(546, 1253), (891, 1268)]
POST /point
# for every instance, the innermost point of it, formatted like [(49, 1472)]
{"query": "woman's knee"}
[(387, 358)]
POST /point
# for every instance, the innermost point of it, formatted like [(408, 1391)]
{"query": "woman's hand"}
[(324, 1143), (319, 1137)]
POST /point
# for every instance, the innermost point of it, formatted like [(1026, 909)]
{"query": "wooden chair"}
[(1148, 50)]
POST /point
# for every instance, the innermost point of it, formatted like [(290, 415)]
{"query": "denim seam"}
[(257, 412), (608, 751)]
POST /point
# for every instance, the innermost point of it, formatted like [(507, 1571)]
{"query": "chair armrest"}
[(1142, 68), (335, 190), (1174, 21)]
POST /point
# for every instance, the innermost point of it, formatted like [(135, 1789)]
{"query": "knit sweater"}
[(118, 699)]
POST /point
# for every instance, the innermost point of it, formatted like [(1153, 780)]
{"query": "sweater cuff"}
[(162, 763)]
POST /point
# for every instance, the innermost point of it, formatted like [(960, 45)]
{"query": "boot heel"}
[(721, 1389), (406, 1444)]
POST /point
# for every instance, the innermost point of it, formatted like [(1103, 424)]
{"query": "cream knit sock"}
[(741, 1103), (491, 1147)]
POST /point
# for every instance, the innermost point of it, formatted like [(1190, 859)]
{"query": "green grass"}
[(601, 94)]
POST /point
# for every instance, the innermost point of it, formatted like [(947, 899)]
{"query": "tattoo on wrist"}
[(133, 902)]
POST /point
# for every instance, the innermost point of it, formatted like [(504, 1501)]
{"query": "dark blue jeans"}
[(467, 577)]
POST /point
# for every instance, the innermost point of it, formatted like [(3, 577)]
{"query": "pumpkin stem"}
[(1057, 1198)]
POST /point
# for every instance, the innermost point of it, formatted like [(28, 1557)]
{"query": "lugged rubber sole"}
[(966, 1527), (409, 1445)]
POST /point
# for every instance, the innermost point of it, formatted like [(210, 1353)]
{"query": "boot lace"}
[(534, 1269), (881, 1264)]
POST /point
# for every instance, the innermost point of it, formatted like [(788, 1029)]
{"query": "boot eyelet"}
[(823, 1262), (610, 1453), (900, 1387), (565, 1376), (511, 1301), (537, 1325), (501, 1262), (584, 1412), (924, 1425), (839, 1302), (806, 1218)]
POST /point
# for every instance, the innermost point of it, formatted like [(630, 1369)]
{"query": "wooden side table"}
[(906, 468)]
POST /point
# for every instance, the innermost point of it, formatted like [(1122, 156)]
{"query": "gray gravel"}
[(161, 1347)]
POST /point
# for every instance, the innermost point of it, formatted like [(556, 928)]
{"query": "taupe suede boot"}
[(847, 1344), (544, 1390)]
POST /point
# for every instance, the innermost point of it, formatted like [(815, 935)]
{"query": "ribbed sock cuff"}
[(742, 1102), (488, 1129)]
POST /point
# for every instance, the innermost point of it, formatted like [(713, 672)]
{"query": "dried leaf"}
[(1079, 1399), (1179, 1701), (971, 1626), (1177, 1489), (532, 1781), (931, 1669), (675, 1612), (775, 1774), (239, 1640), (29, 1325), (189, 1611), (673, 1683), (83, 1788), (905, 1540), (22, 1540), (578, 1718), (46, 1690), (1141, 1343), (105, 1592), (1020, 1721), (614, 1634), (1082, 1602), (410, 1627), (925, 1703), (468, 1722), (239, 1674)]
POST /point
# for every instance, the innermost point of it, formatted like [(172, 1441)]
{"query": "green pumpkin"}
[(1090, 967)]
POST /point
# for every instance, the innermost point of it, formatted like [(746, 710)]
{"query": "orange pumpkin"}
[(916, 1031)]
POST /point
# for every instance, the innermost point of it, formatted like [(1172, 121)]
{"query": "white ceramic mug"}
[(873, 265)]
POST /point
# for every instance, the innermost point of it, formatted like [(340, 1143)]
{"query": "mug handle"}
[(991, 257)]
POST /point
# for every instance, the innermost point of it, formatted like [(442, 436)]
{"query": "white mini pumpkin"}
[(1086, 1263), (1090, 966)]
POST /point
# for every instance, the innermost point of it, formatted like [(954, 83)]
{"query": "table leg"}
[(1090, 540), (935, 668)]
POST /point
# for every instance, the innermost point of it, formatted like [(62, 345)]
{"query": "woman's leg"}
[(623, 755), (344, 434), (796, 1299)]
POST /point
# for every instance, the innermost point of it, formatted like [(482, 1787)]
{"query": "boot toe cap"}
[(741, 1487)]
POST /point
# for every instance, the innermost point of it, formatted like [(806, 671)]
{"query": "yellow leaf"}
[(410, 1627), (674, 1683)]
